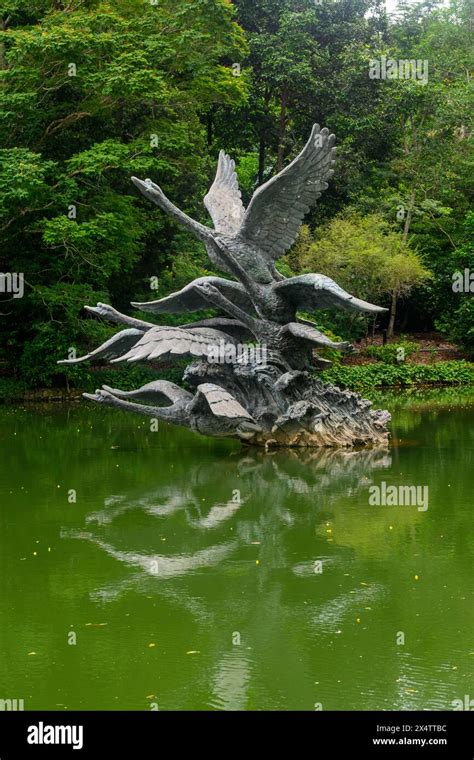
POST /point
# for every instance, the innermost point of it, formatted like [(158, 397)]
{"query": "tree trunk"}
[(393, 314), (282, 130), (406, 226), (393, 303)]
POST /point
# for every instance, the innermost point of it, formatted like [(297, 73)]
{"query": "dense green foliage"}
[(382, 374), (392, 353), (92, 92), (363, 254)]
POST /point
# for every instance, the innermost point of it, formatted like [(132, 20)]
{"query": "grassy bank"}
[(359, 377)]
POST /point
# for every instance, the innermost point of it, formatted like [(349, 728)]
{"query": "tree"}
[(91, 93), (365, 255)]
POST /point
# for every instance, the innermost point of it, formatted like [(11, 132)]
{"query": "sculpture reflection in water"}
[(206, 570), (326, 474)]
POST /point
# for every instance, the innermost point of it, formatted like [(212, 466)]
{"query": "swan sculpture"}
[(281, 402)]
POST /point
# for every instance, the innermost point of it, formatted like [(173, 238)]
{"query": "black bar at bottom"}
[(368, 734)]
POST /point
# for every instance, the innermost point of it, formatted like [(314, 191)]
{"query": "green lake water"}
[(194, 574)]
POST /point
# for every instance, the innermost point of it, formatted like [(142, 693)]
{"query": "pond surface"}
[(144, 570)]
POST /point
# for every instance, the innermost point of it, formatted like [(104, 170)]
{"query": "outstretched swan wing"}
[(115, 346), (275, 213), (190, 298), (164, 342), (311, 335), (316, 291), (223, 200)]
